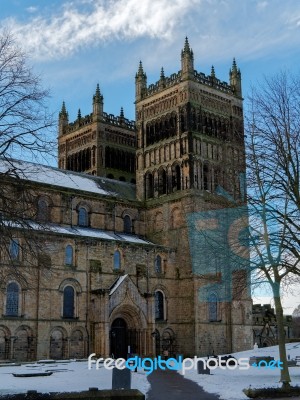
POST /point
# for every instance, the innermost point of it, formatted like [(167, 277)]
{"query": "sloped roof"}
[(52, 176), (93, 233), (117, 283)]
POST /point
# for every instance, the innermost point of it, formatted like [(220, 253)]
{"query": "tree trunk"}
[(284, 372)]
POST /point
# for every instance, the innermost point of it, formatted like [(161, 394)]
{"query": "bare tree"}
[(271, 260), (261, 236), (25, 133), (273, 148), (275, 107), (23, 108), (273, 129)]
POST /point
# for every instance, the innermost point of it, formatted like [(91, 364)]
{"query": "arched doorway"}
[(57, 345), (23, 345), (76, 344), (118, 338), (4, 343), (168, 342)]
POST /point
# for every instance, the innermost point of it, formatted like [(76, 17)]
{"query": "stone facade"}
[(117, 266)]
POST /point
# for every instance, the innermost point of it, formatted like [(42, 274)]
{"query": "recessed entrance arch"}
[(128, 324), (125, 338), (118, 338)]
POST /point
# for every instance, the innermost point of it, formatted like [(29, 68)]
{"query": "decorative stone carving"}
[(127, 292)]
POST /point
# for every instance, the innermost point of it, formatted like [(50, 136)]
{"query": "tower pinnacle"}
[(213, 74), (63, 119), (97, 98), (140, 70), (234, 67), (186, 44), (187, 61), (63, 109), (162, 80), (140, 82), (235, 79), (97, 104)]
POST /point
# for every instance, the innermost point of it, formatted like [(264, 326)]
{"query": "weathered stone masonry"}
[(117, 267)]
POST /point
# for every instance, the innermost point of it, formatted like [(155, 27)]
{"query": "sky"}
[(73, 45)]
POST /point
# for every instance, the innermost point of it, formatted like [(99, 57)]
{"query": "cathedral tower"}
[(191, 162), (190, 132), (99, 143)]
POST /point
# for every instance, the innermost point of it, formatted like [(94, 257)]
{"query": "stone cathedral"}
[(120, 221)]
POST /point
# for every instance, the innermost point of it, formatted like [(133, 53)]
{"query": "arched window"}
[(127, 224), (43, 211), (176, 178), (149, 185), (162, 182), (83, 219), (157, 264), (159, 305), (12, 300), (68, 308), (69, 255), (205, 177), (213, 307), (117, 260), (14, 249)]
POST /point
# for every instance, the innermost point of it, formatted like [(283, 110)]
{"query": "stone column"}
[(12, 341), (68, 340), (106, 326)]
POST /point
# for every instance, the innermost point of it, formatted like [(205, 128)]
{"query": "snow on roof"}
[(97, 234), (83, 232), (118, 282), (67, 179)]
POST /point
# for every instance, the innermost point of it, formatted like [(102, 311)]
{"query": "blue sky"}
[(73, 45), (76, 44)]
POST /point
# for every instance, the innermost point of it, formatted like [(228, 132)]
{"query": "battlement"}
[(213, 82), (79, 122), (188, 73), (199, 77), (119, 121), (170, 81), (105, 118)]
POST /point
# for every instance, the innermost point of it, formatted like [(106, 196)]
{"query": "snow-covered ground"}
[(230, 383), (75, 376), (70, 376)]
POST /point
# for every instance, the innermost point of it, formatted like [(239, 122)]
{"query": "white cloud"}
[(249, 29), (31, 9), (261, 5), (62, 34)]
